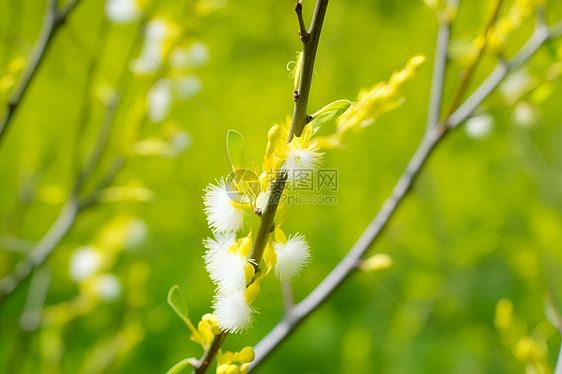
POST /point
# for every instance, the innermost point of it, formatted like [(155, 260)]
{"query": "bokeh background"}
[(482, 224)]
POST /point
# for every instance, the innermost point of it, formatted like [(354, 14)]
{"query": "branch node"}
[(295, 95), (304, 37), (303, 34)]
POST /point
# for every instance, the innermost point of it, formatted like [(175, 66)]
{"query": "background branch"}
[(51, 25), (75, 203), (439, 69), (432, 137)]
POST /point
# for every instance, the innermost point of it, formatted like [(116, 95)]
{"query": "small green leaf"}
[(235, 148), (182, 364), (178, 303), (329, 112)]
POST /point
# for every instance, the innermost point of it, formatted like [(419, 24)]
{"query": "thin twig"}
[(288, 297), (310, 45), (432, 137), (51, 25), (31, 316), (303, 34), (58, 230), (439, 71), (210, 354), (472, 67)]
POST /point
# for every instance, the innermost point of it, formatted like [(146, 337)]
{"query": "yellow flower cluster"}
[(530, 350), (206, 331), (519, 11), (371, 103), (9, 77), (235, 362)]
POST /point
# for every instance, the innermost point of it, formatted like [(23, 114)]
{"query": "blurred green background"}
[(483, 222)]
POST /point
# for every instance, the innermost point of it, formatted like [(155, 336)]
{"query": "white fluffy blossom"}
[(158, 100), (194, 56), (188, 86), (226, 268), (515, 85), (137, 232), (300, 160), (218, 246), (479, 126), (524, 114), (84, 263), (150, 59), (108, 287), (222, 214), (122, 11), (233, 312), (292, 256)]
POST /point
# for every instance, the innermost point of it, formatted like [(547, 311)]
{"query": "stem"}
[(310, 45), (288, 298), (278, 185), (439, 70), (558, 369), (52, 23), (210, 354), (430, 140), (472, 67), (56, 233), (266, 224)]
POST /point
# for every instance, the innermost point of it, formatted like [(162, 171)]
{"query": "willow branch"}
[(52, 23), (209, 355), (432, 137), (310, 45), (278, 185)]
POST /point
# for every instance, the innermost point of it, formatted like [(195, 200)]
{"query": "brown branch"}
[(209, 355), (310, 45), (303, 33)]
